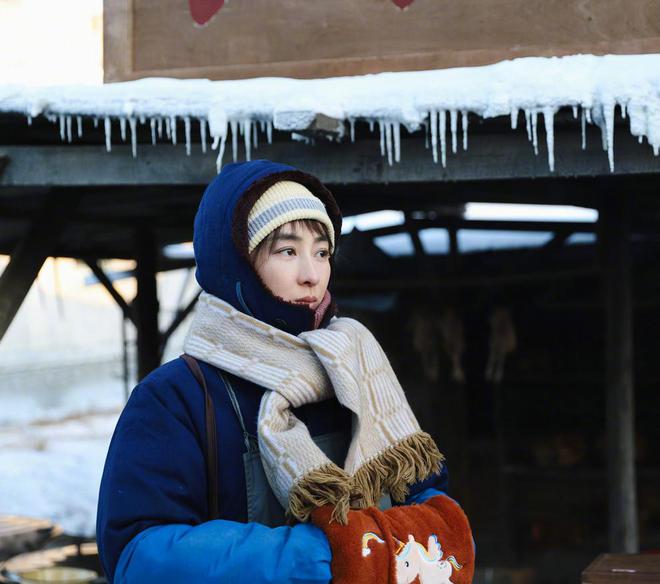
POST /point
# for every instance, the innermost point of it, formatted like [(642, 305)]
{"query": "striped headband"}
[(283, 202)]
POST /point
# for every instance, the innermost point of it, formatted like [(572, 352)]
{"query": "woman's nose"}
[(308, 272)]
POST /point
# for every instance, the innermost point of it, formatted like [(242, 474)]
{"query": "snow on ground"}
[(53, 469), (44, 403), (433, 103), (52, 453)]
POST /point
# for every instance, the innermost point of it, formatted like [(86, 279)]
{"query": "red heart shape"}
[(203, 10), (403, 3)]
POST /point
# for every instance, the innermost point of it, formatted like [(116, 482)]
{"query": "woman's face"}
[(297, 266)]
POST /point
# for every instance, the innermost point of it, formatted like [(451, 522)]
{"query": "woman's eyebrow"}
[(288, 237), (294, 237)]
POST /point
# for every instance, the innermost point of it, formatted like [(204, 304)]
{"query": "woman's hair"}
[(268, 244)]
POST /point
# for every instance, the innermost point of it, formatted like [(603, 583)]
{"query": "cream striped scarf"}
[(388, 450)]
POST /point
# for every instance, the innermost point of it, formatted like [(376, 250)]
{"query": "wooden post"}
[(146, 304), (103, 278), (30, 253), (622, 484)]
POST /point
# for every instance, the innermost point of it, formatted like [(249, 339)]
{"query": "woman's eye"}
[(324, 253), (286, 251)]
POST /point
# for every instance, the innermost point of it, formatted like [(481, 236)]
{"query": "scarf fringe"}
[(412, 459), (328, 485)]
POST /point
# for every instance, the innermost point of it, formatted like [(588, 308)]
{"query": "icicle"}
[(388, 142), (464, 124), (608, 115), (549, 120), (221, 152), (255, 136), (535, 131), (426, 135), (234, 139), (442, 122), (133, 124), (173, 127), (371, 125), (62, 128), (396, 127), (262, 126), (514, 118), (69, 133), (528, 125), (143, 120), (433, 120), (96, 122), (122, 128), (202, 133), (624, 110), (79, 126), (640, 139), (381, 127), (453, 123), (107, 126), (583, 123), (186, 125), (351, 122), (168, 128), (29, 120), (159, 125), (269, 132), (152, 125), (247, 137), (575, 112), (589, 120)]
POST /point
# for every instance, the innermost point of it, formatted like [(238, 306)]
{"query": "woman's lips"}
[(306, 300)]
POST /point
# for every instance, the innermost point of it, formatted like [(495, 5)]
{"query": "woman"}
[(270, 356)]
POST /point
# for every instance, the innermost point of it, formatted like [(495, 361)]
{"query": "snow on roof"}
[(435, 103)]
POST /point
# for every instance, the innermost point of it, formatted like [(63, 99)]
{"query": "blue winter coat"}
[(152, 522)]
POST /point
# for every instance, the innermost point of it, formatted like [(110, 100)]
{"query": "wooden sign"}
[(229, 39)]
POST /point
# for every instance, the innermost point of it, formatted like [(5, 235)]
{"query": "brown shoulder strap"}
[(211, 437)]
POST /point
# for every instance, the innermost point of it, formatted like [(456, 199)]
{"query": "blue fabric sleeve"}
[(152, 517), (226, 551)]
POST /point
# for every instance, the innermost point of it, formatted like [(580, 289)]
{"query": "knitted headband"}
[(283, 202)]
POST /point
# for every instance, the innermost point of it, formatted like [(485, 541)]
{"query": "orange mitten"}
[(431, 542)]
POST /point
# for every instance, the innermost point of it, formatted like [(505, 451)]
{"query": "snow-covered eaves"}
[(433, 103)]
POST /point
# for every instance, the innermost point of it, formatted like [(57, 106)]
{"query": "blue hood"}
[(220, 242)]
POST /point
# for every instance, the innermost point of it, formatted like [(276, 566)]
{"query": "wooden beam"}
[(454, 252), (449, 223), (617, 280), (348, 285), (28, 256), (102, 277), (146, 303), (491, 156), (180, 316)]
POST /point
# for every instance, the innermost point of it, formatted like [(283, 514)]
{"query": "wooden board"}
[(623, 568), (19, 534), (298, 38)]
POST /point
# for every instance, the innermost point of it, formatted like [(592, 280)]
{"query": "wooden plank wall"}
[(298, 38)]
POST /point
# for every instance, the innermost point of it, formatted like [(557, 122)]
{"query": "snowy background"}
[(62, 389)]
